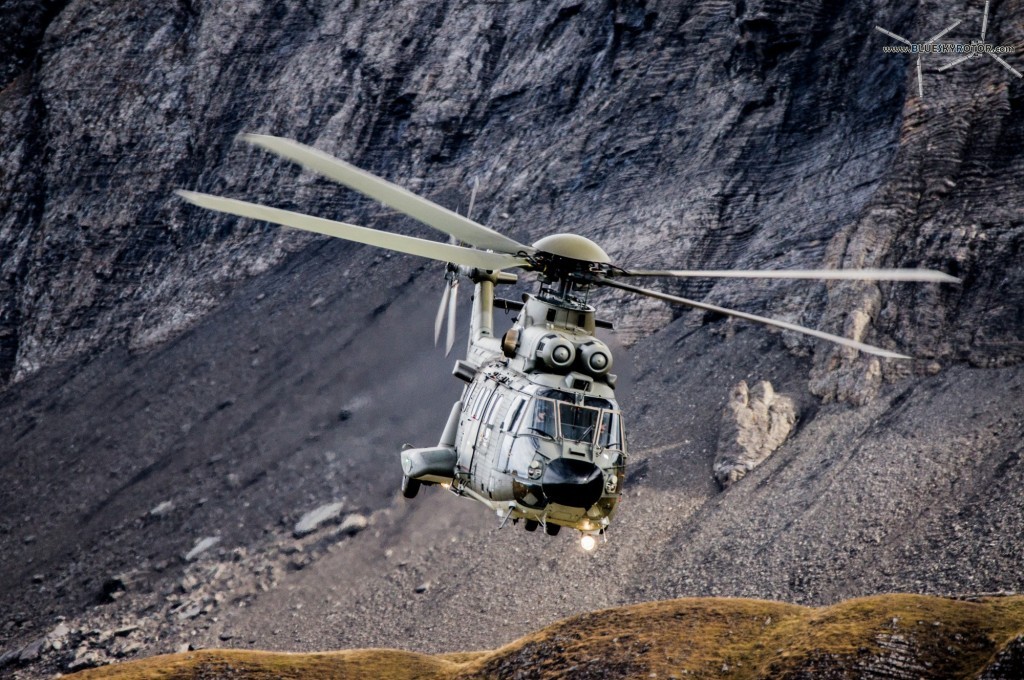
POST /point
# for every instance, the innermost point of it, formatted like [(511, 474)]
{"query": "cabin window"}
[(578, 422), (481, 398), (513, 415), (471, 392), (492, 406)]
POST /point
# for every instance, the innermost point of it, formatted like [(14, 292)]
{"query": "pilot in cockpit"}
[(544, 418)]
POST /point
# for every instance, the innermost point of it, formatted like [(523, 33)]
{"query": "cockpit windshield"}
[(579, 423)]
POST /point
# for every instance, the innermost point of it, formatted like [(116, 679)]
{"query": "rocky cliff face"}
[(153, 353), (748, 134)]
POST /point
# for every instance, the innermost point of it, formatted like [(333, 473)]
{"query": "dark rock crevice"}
[(25, 24)]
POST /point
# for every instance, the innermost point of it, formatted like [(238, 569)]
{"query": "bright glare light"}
[(445, 485), (587, 542)]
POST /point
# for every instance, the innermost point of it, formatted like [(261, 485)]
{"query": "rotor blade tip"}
[(254, 139), (941, 277), (879, 352)]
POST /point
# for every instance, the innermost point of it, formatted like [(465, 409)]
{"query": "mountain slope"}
[(883, 636)]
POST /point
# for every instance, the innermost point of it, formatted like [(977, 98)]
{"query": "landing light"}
[(588, 542)]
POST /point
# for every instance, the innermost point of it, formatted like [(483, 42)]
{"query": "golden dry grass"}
[(677, 638)]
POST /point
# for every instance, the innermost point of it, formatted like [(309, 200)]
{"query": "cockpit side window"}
[(610, 436), (542, 419)]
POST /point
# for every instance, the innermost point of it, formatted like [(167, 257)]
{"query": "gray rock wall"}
[(748, 134)]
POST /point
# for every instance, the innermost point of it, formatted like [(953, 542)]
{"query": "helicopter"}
[(537, 434)]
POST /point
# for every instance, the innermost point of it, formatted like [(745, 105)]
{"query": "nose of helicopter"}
[(575, 483)]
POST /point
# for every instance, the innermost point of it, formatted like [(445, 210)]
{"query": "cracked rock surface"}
[(171, 375)]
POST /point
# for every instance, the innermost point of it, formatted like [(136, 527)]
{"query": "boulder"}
[(755, 423), (353, 524), (32, 650), (313, 519), (201, 546), (162, 509)]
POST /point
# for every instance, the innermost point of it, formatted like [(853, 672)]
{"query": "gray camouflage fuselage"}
[(537, 434)]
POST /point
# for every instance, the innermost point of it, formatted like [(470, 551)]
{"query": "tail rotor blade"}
[(472, 198), (452, 306), (439, 319)]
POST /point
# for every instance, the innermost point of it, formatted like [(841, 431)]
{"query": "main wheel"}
[(410, 487), (552, 529), (531, 525)]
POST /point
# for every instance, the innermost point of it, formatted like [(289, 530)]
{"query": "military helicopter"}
[(537, 434)]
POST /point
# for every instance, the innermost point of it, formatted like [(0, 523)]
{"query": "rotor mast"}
[(483, 346)]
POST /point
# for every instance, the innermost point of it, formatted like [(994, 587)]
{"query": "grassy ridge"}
[(920, 636)]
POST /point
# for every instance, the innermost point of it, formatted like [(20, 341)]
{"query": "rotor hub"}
[(573, 247)]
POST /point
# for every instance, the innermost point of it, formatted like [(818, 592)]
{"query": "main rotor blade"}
[(441, 309), (846, 342), (350, 232), (944, 31), (953, 63), (389, 194), (893, 35), (453, 302), (1005, 65), (824, 274)]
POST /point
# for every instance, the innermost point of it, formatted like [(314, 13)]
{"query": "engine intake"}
[(557, 353), (595, 358)]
